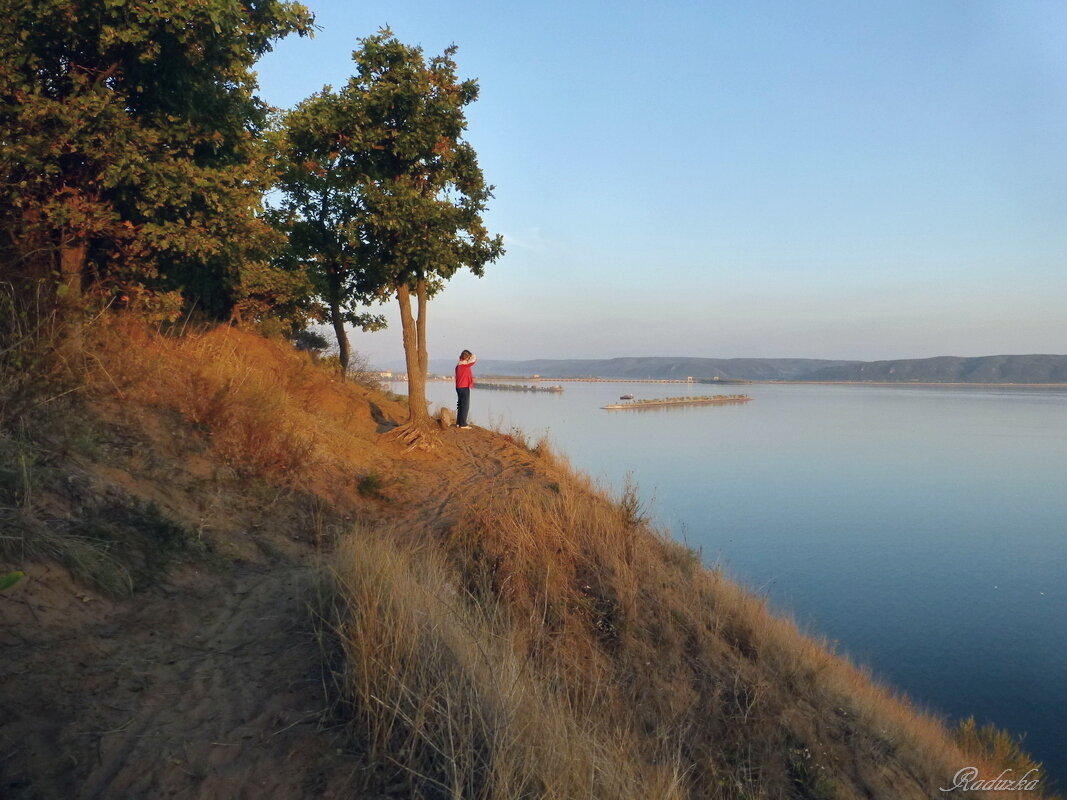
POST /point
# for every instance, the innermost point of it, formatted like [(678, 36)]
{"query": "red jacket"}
[(464, 377)]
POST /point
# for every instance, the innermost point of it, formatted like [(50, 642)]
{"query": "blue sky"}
[(761, 179)]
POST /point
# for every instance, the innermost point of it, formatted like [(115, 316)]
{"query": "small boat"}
[(627, 397)]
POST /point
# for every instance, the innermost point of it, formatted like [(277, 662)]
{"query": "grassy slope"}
[(494, 625)]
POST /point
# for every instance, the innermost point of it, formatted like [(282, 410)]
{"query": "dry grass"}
[(36, 365), (441, 687), (132, 397), (271, 411), (212, 381)]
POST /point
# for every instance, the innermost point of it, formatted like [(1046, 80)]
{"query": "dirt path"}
[(209, 688)]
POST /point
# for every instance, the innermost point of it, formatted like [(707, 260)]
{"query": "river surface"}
[(924, 529)]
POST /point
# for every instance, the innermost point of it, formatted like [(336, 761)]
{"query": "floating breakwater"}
[(713, 400)]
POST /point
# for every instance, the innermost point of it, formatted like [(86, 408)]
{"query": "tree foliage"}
[(320, 206), (132, 158), (426, 193), (387, 189)]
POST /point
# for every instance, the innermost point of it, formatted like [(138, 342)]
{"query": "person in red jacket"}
[(464, 382)]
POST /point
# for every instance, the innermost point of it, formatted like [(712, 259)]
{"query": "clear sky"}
[(831, 179)]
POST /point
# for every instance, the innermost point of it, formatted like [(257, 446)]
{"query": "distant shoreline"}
[(1019, 370), (770, 382), (1001, 385), (782, 381)]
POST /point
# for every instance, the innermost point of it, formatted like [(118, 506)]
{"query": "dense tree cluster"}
[(135, 157)]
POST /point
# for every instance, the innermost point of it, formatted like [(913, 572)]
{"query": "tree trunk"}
[(418, 431), (420, 327), (344, 351), (414, 332)]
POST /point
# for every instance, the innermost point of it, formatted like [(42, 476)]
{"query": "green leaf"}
[(10, 579)]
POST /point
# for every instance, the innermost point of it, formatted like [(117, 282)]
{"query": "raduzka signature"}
[(967, 780)]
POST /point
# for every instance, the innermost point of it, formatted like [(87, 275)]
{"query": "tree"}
[(132, 158), (413, 191), (319, 209)]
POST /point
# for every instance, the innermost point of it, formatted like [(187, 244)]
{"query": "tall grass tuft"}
[(442, 688), (35, 367)]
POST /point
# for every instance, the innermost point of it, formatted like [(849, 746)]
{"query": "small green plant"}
[(93, 563), (371, 485), (10, 579), (122, 547)]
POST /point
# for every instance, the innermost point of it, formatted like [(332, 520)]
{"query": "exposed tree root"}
[(415, 435)]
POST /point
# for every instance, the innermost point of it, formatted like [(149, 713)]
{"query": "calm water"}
[(921, 528)]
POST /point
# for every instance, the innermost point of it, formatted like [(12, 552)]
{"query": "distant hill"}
[(654, 367), (942, 369), (951, 369)]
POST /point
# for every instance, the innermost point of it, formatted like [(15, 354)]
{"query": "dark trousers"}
[(463, 404)]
